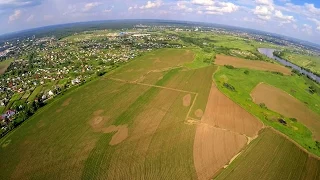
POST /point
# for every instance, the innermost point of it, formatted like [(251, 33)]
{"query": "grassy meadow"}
[(4, 65), (304, 60), (294, 85)]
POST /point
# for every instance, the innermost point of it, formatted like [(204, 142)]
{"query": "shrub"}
[(262, 105), (312, 89), (101, 73), (229, 86), (278, 73), (318, 144), (282, 121), (293, 119), (229, 66)]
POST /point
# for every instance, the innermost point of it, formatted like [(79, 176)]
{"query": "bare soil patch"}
[(97, 122), (120, 135), (223, 112), (187, 100), (66, 102), (98, 112), (198, 113), (214, 148), (285, 104), (257, 65)]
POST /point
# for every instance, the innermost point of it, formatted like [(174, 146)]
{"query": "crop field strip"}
[(167, 88), (219, 137), (274, 151), (134, 166)]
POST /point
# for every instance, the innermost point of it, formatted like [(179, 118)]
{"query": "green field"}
[(158, 60), (271, 156), (75, 141), (4, 65), (34, 94), (310, 62), (294, 85)]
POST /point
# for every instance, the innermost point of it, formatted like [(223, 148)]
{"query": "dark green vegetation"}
[(272, 156), (294, 85)]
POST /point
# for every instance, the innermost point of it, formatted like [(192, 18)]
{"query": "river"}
[(269, 53)]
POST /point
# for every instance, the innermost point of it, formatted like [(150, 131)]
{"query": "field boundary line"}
[(188, 114), (294, 142), (151, 85)]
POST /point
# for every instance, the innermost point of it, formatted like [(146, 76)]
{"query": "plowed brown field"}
[(214, 148), (221, 134), (224, 113), (281, 102), (258, 65)]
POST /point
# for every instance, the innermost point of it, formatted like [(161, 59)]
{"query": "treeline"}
[(23, 112)]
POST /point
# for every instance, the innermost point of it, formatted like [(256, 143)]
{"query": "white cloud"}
[(221, 8), (307, 29), (308, 10), (312, 9), (265, 2), (203, 2), (89, 6), (266, 10), (182, 5), (133, 7), (15, 16), (263, 10), (30, 18), (150, 4), (317, 22), (283, 18), (108, 10)]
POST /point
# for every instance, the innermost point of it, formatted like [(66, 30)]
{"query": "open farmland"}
[(224, 113), (112, 128), (283, 103), (223, 131), (214, 148), (243, 84), (250, 64), (188, 80), (158, 60), (153, 118), (272, 156)]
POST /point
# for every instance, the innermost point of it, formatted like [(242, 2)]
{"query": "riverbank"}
[(269, 53)]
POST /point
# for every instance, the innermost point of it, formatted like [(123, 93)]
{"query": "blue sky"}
[(296, 18)]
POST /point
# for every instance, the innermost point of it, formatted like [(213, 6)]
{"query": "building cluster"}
[(56, 65)]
